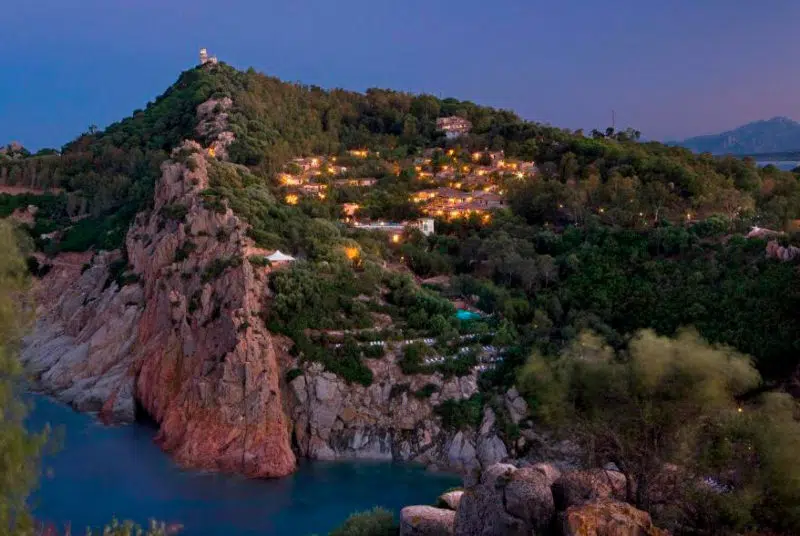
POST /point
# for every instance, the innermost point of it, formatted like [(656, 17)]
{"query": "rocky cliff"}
[(334, 420), (172, 328), (179, 340)]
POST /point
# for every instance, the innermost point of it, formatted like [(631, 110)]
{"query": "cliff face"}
[(208, 371), (334, 420), (182, 342)]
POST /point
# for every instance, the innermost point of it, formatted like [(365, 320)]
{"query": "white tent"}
[(280, 257)]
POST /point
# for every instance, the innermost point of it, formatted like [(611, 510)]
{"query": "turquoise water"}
[(102, 472), (461, 314)]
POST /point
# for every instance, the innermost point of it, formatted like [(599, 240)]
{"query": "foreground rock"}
[(580, 487), (608, 518), (426, 521), (451, 499), (506, 501)]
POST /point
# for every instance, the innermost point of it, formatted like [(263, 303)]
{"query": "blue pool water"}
[(100, 472), (461, 314)]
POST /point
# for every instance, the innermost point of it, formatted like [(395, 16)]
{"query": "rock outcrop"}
[(181, 340), (208, 371), (608, 518), (506, 501), (426, 521), (81, 348), (580, 487), (511, 501), (451, 499), (336, 420), (782, 253)]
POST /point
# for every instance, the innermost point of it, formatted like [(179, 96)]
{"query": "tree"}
[(19, 449), (376, 522), (643, 407)]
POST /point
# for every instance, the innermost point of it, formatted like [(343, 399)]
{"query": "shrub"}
[(216, 267), (427, 391), (413, 354), (259, 260), (176, 212), (376, 522), (182, 253), (461, 414), (291, 374)]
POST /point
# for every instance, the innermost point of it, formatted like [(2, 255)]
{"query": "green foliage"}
[(291, 374), (20, 448), (259, 260), (376, 522), (217, 266), (426, 391), (461, 414), (642, 408), (413, 355), (175, 212), (185, 249)]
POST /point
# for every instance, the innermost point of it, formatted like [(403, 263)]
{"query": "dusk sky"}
[(671, 68)]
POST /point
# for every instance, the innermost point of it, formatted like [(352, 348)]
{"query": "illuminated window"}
[(292, 199)]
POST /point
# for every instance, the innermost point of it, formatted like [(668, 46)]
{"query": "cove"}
[(99, 473)]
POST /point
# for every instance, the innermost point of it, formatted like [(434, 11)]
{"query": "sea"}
[(786, 165), (97, 473)]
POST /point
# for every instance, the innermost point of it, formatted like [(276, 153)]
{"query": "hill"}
[(169, 301), (776, 135)]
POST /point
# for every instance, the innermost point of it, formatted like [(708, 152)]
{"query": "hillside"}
[(273, 271), (776, 135)]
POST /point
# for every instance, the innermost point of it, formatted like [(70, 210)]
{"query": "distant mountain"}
[(779, 134)]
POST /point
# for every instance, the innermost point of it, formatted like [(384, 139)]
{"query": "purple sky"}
[(670, 68)]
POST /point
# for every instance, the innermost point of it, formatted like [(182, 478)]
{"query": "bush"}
[(413, 354), (182, 253), (217, 266), (176, 212), (376, 522), (427, 391), (291, 374), (259, 260), (461, 414)]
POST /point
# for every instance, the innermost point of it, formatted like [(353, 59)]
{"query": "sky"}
[(670, 69)]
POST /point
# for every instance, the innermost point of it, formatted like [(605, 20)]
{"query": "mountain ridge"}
[(774, 135)]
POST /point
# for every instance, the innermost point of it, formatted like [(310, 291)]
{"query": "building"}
[(426, 226), (350, 209), (307, 164), (205, 59), (453, 126), (355, 182)]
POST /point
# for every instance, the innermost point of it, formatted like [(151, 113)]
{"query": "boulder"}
[(506, 502), (461, 453), (515, 405), (491, 450), (528, 498), (426, 521), (451, 499), (580, 487), (550, 472), (608, 518)]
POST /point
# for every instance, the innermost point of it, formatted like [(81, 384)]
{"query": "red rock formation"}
[(208, 371)]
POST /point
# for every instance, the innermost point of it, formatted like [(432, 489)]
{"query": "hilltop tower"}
[(205, 59)]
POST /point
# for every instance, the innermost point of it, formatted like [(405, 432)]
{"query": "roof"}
[(280, 257)]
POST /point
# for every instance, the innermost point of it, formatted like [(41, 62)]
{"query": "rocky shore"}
[(505, 500)]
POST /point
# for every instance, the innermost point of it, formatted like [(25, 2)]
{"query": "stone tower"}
[(203, 56)]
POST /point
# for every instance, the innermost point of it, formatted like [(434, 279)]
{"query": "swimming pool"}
[(463, 314)]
